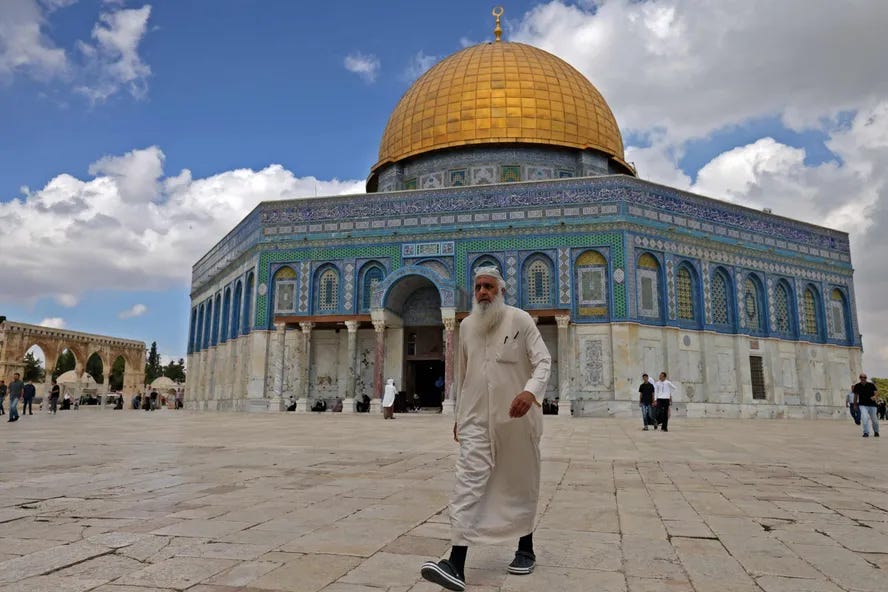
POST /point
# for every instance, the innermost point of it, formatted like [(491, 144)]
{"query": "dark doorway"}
[(422, 376)]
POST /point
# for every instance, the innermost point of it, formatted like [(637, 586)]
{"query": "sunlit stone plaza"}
[(131, 501)]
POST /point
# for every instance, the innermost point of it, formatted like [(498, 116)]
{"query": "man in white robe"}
[(498, 425), (388, 399)]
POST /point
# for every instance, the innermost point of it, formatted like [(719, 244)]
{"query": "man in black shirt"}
[(865, 394), (646, 401)]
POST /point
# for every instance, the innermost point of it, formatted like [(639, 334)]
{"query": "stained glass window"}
[(837, 310), (752, 304), (592, 284), (285, 290), (781, 309), (719, 299), (537, 282), (372, 277), (328, 291), (648, 286), (685, 286), (810, 309)]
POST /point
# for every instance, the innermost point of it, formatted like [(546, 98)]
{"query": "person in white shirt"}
[(663, 391)]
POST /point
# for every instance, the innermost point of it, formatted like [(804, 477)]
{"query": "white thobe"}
[(388, 398), (498, 470)]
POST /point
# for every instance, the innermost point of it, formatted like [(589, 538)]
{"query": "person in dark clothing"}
[(15, 391), (646, 402), (865, 394), (118, 405), (29, 392), (363, 406), (2, 396), (54, 393)]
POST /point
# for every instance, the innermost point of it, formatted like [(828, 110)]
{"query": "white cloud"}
[(136, 310), (694, 66), (114, 60), (24, 45), (365, 65), (53, 322), (138, 229), (67, 300), (418, 65)]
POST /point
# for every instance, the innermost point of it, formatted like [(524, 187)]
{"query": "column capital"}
[(563, 321), (449, 324), (306, 326), (379, 325), (352, 326), (280, 326)]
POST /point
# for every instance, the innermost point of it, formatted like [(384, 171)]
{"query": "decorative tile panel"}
[(564, 276)]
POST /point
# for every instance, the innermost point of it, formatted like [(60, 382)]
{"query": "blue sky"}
[(142, 132)]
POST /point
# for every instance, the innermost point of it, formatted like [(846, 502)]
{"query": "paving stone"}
[(177, 572), (385, 569), (308, 573), (565, 579), (49, 560), (202, 528), (350, 536), (244, 573), (784, 584), (413, 545), (53, 583)]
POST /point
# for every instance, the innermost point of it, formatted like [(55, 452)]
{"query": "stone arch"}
[(382, 293)]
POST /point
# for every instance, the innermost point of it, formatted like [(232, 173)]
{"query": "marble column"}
[(565, 361), (304, 369), (447, 405), (279, 366), (378, 367), (106, 387), (348, 405)]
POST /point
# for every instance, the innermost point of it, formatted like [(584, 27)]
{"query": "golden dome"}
[(500, 92)]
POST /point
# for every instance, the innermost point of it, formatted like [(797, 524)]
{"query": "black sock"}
[(525, 543), (458, 559)]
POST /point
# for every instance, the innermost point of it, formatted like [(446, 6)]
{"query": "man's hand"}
[(521, 404), (455, 437)]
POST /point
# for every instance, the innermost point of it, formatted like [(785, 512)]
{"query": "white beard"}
[(489, 314)]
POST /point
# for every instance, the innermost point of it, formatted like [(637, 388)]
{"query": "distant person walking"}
[(16, 388), (54, 393), (865, 394), (646, 402), (663, 391), (2, 396), (388, 399), (29, 393)]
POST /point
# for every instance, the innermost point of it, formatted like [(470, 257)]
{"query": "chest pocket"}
[(508, 354)]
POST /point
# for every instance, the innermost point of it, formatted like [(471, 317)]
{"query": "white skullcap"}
[(489, 271)]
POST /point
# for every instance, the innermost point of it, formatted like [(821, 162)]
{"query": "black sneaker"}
[(523, 563), (866, 435), (876, 435), (444, 574)]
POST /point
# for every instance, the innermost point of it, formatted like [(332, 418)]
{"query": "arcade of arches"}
[(16, 339)]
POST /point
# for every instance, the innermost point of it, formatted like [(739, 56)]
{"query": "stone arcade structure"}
[(504, 154), (17, 338)]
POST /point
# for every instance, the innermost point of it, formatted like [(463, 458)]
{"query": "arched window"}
[(248, 304), (373, 274), (192, 329), (782, 308), (839, 328), (198, 336), (216, 310), (810, 324), (752, 304), (720, 298), (285, 290), (648, 286), (538, 282), (686, 294), (208, 318), (226, 314), (591, 275), (328, 290), (236, 310)]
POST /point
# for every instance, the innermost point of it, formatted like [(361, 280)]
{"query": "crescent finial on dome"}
[(498, 31)]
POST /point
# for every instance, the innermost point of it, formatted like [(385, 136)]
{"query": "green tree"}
[(881, 386), (33, 368), (95, 368), (65, 363), (153, 367), (115, 380), (175, 370)]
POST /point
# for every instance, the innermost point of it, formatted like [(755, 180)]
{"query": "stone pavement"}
[(134, 501)]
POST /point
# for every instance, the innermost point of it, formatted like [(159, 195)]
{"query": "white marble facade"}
[(604, 366)]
